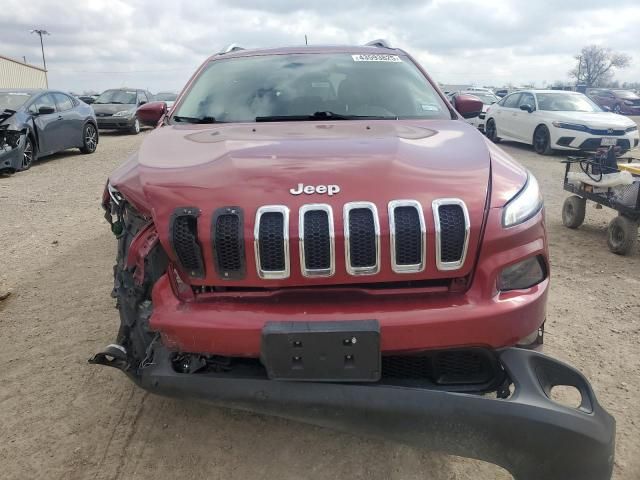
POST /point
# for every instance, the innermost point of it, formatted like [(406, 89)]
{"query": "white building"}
[(17, 74)]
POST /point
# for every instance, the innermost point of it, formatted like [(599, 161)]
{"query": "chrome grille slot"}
[(316, 234), (271, 241), (228, 242), (452, 232), (184, 240), (362, 238), (407, 231)]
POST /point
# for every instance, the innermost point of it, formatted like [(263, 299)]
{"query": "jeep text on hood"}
[(315, 233)]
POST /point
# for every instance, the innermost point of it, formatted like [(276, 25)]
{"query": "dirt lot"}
[(61, 418)]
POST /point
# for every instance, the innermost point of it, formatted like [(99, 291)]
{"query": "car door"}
[(505, 115), (70, 122), (524, 123), (46, 125), (607, 99)]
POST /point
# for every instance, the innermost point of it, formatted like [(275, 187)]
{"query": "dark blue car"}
[(36, 123)]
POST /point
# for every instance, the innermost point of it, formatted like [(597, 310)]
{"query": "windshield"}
[(13, 100), (487, 98), (288, 87), (626, 94), (566, 102), (165, 97), (118, 96)]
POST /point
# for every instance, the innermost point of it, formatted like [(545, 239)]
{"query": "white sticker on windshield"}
[(19, 94), (376, 57)]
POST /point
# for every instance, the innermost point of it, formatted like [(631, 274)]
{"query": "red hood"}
[(251, 165)]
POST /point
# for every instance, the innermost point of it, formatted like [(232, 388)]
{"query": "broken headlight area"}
[(9, 140)]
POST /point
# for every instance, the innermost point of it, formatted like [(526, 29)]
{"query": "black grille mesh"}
[(228, 243), (271, 241), (185, 244), (362, 238), (452, 232), (317, 243), (408, 236)]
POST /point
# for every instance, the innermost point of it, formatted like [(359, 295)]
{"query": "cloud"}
[(158, 44)]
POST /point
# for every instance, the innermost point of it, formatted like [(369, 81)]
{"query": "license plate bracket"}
[(608, 142), (340, 351)]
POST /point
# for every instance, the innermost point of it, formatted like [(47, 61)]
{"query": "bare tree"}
[(596, 64)]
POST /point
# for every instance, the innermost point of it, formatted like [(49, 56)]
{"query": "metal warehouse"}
[(17, 74)]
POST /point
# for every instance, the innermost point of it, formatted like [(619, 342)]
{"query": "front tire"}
[(542, 140), (135, 128), (622, 235), (28, 154), (573, 211), (491, 131), (89, 139)]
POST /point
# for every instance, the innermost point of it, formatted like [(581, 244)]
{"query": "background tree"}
[(596, 64)]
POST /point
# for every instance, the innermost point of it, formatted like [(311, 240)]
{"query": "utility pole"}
[(44, 62)]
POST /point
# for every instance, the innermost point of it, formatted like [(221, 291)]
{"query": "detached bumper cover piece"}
[(530, 435)]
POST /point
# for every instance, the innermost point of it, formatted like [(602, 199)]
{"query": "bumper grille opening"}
[(451, 218), (362, 234), (271, 241), (317, 240), (184, 239), (229, 243), (408, 236)]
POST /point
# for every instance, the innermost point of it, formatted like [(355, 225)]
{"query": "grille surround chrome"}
[(272, 274), (412, 268), (324, 272), (346, 211), (436, 204)]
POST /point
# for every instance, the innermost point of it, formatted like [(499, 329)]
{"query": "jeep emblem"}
[(310, 189)]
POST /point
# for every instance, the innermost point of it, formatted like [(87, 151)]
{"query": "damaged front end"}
[(509, 418), (12, 148)]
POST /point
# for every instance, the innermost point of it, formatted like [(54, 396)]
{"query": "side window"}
[(142, 97), (527, 99), (512, 100), (64, 103), (45, 100)]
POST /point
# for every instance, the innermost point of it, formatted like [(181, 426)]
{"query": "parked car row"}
[(37, 123), (625, 102)]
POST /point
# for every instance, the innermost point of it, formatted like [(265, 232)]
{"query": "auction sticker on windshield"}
[(377, 57)]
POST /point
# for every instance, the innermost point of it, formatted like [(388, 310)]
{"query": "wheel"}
[(89, 138), (616, 109), (573, 211), (622, 235), (28, 154), (491, 132), (542, 140), (135, 128)]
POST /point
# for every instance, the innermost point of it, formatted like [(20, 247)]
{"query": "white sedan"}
[(553, 119)]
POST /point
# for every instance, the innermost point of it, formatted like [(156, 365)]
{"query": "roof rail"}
[(230, 48), (380, 43)]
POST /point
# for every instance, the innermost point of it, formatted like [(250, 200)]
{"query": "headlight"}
[(123, 113), (570, 126), (628, 102), (631, 129), (526, 203), (524, 274)]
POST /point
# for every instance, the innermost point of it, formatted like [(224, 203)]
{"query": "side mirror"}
[(151, 113), (46, 110), (469, 106), (526, 107)]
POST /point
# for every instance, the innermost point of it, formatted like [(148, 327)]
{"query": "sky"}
[(95, 45)]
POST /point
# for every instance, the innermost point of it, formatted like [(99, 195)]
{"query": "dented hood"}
[(252, 165)]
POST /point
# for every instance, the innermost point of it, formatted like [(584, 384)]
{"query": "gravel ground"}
[(61, 418)]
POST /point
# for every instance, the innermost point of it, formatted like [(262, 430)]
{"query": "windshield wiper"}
[(322, 116), (179, 118), (8, 110)]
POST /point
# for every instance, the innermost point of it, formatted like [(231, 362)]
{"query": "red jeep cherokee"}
[(314, 233)]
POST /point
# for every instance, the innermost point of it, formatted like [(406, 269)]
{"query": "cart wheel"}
[(623, 235), (573, 211)]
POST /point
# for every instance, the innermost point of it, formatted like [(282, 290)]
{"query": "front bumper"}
[(528, 434), (115, 123), (565, 139)]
